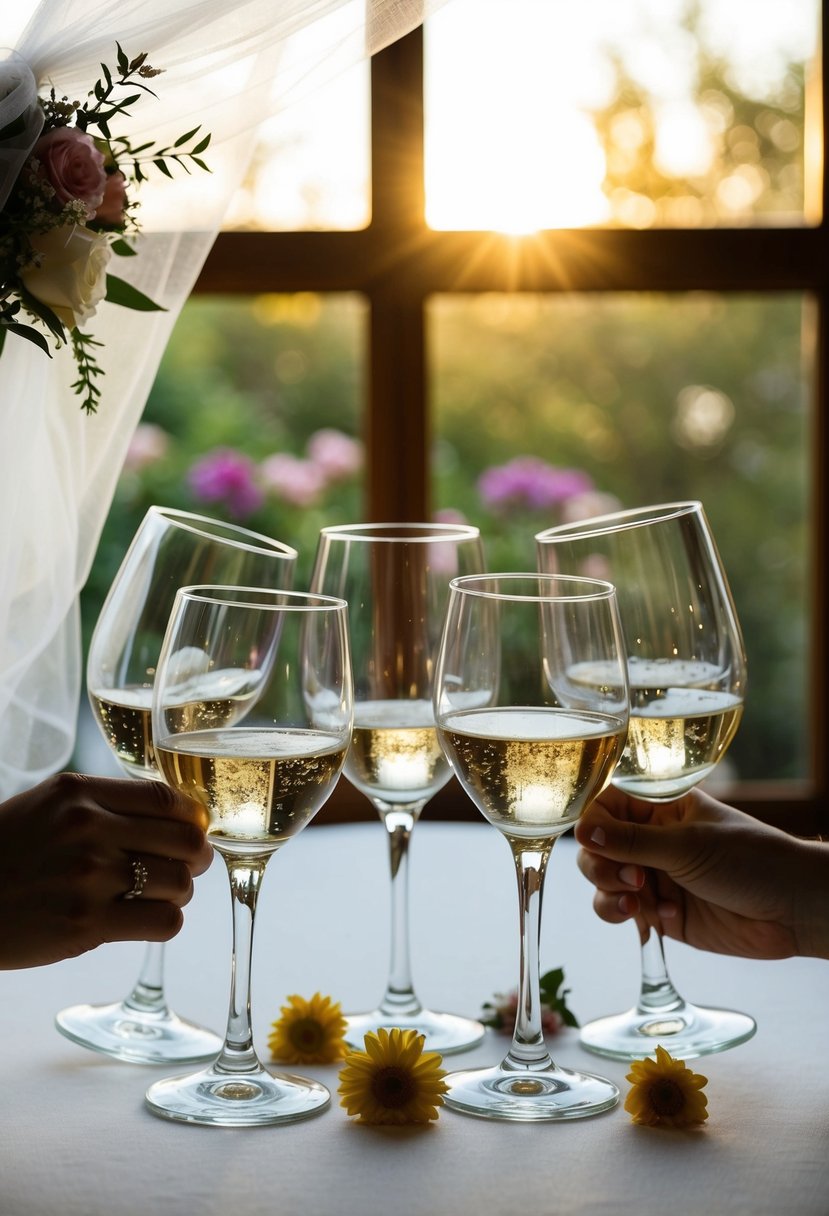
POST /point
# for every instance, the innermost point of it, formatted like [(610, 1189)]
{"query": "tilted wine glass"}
[(687, 671), (532, 747), (395, 578), (261, 776), (170, 548)]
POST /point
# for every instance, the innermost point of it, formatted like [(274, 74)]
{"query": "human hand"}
[(67, 848), (706, 874)]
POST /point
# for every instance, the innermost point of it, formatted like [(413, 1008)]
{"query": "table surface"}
[(77, 1139)]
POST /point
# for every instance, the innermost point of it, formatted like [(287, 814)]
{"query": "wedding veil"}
[(223, 63)]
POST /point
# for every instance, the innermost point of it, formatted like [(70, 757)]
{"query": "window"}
[(710, 275)]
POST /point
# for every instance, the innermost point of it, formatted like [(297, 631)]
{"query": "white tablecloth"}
[(78, 1141)]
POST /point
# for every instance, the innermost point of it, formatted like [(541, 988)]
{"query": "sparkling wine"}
[(681, 723), (531, 771), (259, 786), (395, 754), (207, 701)]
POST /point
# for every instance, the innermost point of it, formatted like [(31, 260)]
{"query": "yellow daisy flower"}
[(393, 1080), (665, 1093), (309, 1032)]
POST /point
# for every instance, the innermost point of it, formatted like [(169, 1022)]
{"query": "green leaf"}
[(183, 139), (201, 145), (29, 333), (123, 249), (197, 160), (553, 995), (45, 313), (123, 60), (120, 292), (162, 165)]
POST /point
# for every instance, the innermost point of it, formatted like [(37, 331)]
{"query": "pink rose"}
[(72, 164), (111, 210)]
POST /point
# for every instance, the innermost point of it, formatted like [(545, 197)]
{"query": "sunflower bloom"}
[(393, 1080), (309, 1032), (665, 1093)]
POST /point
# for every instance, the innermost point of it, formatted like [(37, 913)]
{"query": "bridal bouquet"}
[(72, 208)]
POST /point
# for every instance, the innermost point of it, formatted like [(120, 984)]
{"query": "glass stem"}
[(399, 998), (657, 991), (147, 997), (237, 1054), (528, 1052)]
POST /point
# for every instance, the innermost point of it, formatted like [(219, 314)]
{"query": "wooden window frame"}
[(397, 263)]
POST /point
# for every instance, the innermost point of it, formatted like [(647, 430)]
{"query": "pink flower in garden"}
[(449, 515), (73, 166), (296, 481), (530, 483), (337, 454), (588, 505), (227, 476), (148, 445)]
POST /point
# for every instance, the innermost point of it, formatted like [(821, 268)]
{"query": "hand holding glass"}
[(532, 746), (261, 761), (687, 671), (170, 548)]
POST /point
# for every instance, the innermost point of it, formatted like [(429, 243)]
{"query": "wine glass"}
[(532, 747), (170, 548), (395, 578), (261, 775), (687, 674)]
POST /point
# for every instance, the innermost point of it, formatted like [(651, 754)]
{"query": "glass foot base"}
[(686, 1031), (443, 1032), (222, 1099), (137, 1036), (555, 1093)]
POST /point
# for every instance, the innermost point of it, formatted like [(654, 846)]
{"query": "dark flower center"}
[(306, 1034), (666, 1097), (393, 1087)]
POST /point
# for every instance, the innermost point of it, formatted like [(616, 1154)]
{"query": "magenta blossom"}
[(530, 483), (227, 476)]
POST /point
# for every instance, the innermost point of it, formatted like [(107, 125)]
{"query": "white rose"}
[(71, 279)]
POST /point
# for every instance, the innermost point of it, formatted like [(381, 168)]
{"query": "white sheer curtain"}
[(222, 68)]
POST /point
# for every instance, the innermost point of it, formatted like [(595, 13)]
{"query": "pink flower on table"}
[(505, 1008), (530, 483), (229, 477), (337, 454), (73, 167), (296, 481), (148, 445)]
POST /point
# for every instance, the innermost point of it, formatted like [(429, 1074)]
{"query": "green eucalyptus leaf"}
[(120, 292)]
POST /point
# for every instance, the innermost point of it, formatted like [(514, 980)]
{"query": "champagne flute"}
[(532, 747), (261, 777), (170, 548), (395, 578), (687, 674)]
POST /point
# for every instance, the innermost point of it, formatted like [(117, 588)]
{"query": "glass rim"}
[(412, 532), (243, 538), (218, 593), (594, 588), (613, 521)]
